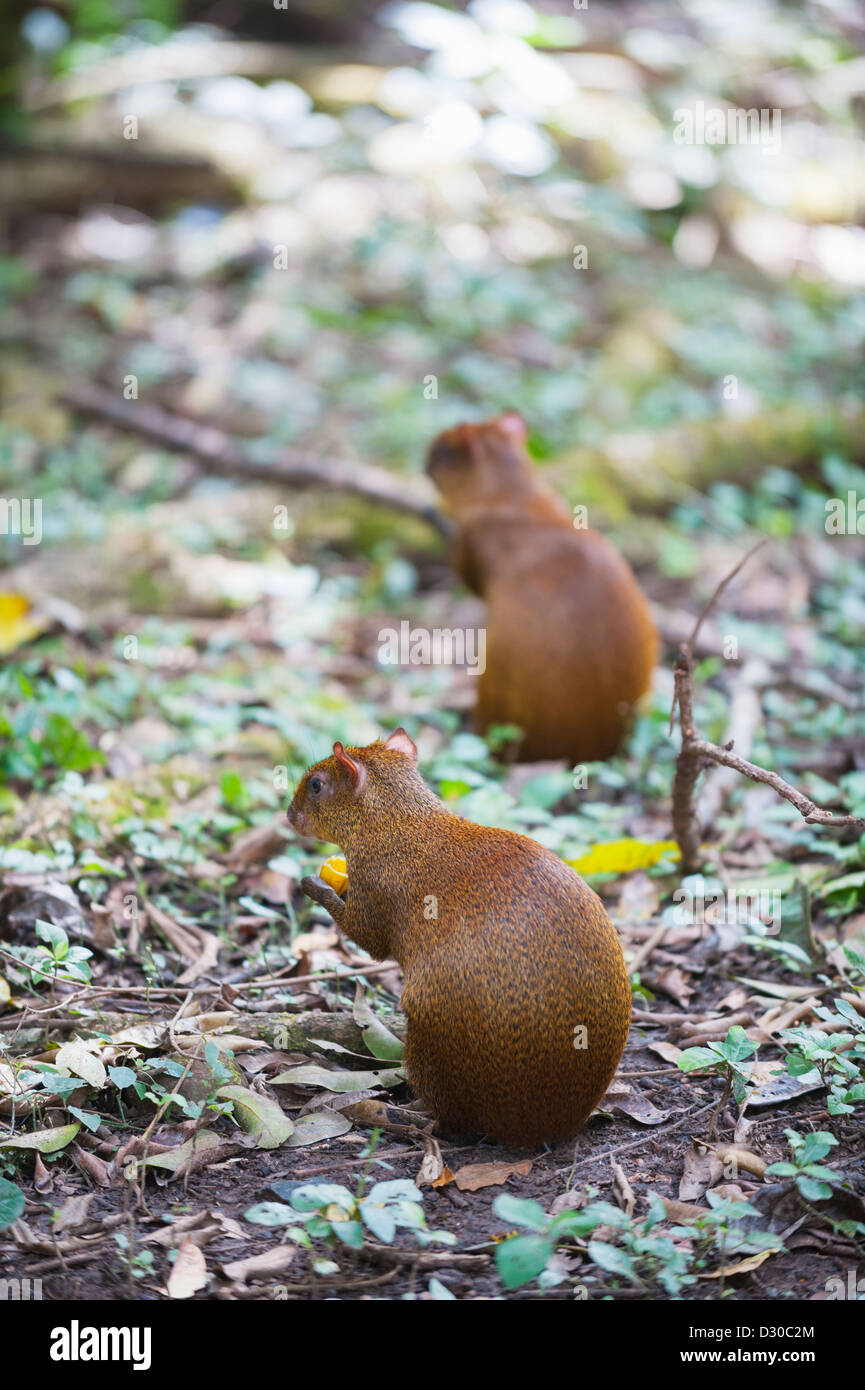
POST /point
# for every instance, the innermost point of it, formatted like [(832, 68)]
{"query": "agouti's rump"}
[(518, 1010), (570, 640), (570, 649)]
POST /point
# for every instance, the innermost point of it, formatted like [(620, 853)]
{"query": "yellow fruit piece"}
[(333, 872), (623, 856)]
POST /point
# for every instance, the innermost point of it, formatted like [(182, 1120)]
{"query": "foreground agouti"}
[(570, 640), (516, 994)]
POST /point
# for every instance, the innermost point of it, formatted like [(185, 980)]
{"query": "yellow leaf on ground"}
[(623, 856), (18, 622)]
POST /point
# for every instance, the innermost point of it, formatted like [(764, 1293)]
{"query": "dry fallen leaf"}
[(624, 1193), (633, 1105), (779, 1089), (73, 1213), (743, 1267), (96, 1168), (702, 1170), (683, 1212), (78, 1058), (269, 1262), (445, 1177), (189, 1272), (674, 982), (433, 1167), (733, 1157), (473, 1176), (43, 1180)]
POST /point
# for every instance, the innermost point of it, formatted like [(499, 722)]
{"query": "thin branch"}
[(718, 592), (696, 752), (228, 457), (812, 813)]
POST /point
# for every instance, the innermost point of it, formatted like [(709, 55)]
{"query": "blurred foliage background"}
[(343, 227)]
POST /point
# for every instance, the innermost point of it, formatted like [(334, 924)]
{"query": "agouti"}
[(516, 995), (570, 642)]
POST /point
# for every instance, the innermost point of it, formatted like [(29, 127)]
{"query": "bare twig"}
[(719, 590), (228, 458), (696, 752), (640, 956), (746, 711)]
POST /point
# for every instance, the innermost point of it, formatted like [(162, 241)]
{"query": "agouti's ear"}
[(514, 425), (356, 771), (399, 742)]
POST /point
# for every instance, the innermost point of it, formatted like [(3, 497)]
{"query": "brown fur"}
[(520, 953), (570, 640)]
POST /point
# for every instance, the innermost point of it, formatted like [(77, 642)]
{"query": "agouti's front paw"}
[(321, 893)]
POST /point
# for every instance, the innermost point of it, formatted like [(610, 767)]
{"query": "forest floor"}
[(334, 273), (160, 865)]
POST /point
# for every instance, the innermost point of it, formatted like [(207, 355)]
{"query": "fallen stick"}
[(228, 458), (282, 1032)]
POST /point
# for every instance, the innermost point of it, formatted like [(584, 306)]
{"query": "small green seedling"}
[(330, 1212), (727, 1059), (814, 1182)]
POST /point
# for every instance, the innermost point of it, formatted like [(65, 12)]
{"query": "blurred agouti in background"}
[(570, 640), (516, 993)]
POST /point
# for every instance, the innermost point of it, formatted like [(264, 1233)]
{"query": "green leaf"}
[(258, 1115), (612, 1259), (812, 1190), (379, 1219), (270, 1214), (349, 1232), (341, 1081), (87, 1117), (12, 1203), (318, 1125), (695, 1058), (736, 1047), (313, 1196), (122, 1077), (46, 1141), (816, 1146), (382, 1043), (797, 1065), (394, 1190), (439, 1292), (521, 1211), (55, 937), (522, 1258)]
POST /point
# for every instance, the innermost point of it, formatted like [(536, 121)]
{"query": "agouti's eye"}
[(315, 784)]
